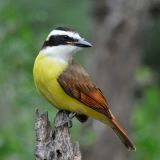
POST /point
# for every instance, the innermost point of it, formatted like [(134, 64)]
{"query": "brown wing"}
[(76, 83)]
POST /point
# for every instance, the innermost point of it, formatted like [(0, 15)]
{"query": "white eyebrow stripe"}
[(69, 33)]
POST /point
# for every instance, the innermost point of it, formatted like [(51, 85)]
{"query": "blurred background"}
[(124, 62)]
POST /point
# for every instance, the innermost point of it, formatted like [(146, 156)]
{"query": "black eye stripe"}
[(60, 37), (56, 40)]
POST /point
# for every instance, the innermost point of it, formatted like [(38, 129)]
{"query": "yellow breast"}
[(46, 70)]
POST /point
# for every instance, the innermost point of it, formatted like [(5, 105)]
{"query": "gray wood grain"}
[(54, 144)]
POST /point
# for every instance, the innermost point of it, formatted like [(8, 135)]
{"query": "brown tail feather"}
[(119, 131)]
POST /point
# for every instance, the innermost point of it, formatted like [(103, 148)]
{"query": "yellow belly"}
[(46, 70)]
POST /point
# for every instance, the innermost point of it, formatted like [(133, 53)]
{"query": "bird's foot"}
[(68, 121)]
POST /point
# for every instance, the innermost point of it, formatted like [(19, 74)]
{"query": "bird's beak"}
[(82, 43)]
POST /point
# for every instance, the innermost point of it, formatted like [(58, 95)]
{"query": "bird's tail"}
[(119, 131)]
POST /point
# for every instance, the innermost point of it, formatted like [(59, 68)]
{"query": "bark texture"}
[(54, 144), (118, 34)]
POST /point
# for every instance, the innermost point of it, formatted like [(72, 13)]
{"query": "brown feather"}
[(76, 82), (119, 131)]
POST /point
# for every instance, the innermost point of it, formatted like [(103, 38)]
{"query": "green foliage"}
[(23, 27), (146, 122)]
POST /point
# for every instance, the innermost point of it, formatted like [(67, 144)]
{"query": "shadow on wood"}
[(54, 144)]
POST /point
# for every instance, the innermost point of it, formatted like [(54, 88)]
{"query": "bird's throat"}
[(63, 53)]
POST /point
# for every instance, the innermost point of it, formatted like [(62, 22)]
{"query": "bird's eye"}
[(65, 37)]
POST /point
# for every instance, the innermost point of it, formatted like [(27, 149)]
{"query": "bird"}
[(67, 85)]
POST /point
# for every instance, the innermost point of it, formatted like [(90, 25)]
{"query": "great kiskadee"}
[(67, 86)]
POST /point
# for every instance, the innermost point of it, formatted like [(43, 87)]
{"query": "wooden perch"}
[(54, 144)]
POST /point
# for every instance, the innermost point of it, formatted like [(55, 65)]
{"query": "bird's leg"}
[(70, 116)]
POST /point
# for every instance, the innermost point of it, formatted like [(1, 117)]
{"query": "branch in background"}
[(54, 144)]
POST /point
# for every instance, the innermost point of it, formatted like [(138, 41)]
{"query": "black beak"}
[(82, 43)]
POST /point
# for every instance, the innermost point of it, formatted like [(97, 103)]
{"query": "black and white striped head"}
[(65, 36), (63, 42)]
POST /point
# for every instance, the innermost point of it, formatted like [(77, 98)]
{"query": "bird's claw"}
[(68, 121)]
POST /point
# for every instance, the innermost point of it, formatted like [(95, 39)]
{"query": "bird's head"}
[(63, 43)]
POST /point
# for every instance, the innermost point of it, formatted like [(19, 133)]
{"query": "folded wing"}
[(76, 83)]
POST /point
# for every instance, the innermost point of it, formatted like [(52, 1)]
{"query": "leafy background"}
[(23, 27)]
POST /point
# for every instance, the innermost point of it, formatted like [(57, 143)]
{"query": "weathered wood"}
[(54, 144)]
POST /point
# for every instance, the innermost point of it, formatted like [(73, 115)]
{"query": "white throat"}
[(62, 53)]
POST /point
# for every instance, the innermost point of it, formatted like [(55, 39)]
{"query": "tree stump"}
[(54, 143)]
